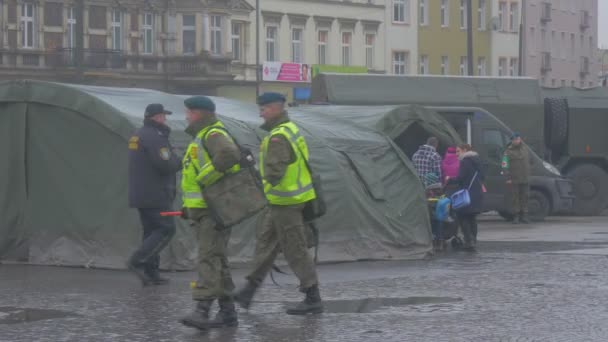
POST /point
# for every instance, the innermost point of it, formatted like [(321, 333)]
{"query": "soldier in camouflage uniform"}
[(516, 166), (212, 154), (288, 187)]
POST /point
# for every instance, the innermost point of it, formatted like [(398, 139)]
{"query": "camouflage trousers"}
[(214, 278), (519, 198), (281, 229)]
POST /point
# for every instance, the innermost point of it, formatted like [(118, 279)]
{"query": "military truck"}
[(518, 102)]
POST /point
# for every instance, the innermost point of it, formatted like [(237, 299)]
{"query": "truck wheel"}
[(539, 205), (590, 189), (556, 123), (506, 215)]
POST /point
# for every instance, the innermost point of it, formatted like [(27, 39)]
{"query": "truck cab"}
[(550, 193)]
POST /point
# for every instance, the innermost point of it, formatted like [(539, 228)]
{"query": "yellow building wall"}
[(436, 41)]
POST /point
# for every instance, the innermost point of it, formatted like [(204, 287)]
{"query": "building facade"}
[(178, 46), (561, 42), (504, 26), (442, 37)]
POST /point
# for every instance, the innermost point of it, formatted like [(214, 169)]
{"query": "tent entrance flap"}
[(411, 138)]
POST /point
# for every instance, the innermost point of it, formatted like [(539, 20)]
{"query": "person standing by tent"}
[(450, 164), (516, 166), (288, 187), (428, 162), (211, 155), (152, 168), (470, 177)]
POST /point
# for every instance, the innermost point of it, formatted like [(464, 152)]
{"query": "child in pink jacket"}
[(450, 164)]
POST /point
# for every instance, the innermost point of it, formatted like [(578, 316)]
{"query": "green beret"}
[(267, 98), (200, 102)]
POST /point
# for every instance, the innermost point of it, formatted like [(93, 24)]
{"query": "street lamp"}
[(258, 69)]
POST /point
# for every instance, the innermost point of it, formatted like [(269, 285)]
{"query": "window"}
[(495, 142), (369, 50), (424, 12), (463, 14), (71, 27), (445, 65), (481, 15), (502, 15), (296, 45), (322, 47), (271, 44), (97, 17), (216, 35), (572, 46), (533, 41), (400, 62), (189, 34), (445, 13), (464, 66), (563, 45), (572, 84), (27, 24), (400, 11), (424, 64), (582, 42), (53, 14), (116, 29), (582, 84), (591, 47), (514, 17), (563, 83), (237, 32), (502, 67), (543, 40), (554, 45), (134, 22), (481, 66), (148, 33), (347, 38), (513, 67)]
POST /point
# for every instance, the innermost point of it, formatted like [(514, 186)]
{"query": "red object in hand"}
[(170, 213)]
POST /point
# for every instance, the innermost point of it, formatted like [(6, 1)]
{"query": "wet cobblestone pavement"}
[(509, 291)]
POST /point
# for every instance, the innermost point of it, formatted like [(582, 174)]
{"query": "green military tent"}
[(63, 181)]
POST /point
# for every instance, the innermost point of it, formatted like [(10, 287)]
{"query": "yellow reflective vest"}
[(198, 170), (296, 185)]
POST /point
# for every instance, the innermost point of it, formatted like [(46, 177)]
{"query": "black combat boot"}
[(227, 316), (199, 318), (311, 304), (156, 279), (140, 272), (245, 295)]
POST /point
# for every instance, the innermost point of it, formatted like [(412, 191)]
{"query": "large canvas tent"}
[(63, 181)]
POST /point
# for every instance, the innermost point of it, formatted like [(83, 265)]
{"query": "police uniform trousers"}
[(281, 229), (157, 232), (519, 198), (214, 278)]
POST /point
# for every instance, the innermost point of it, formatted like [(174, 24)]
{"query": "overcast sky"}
[(603, 23)]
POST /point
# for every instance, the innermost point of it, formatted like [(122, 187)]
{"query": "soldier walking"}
[(288, 187), (211, 155), (516, 166)]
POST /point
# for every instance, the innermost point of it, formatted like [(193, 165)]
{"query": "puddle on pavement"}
[(369, 305), (14, 315)]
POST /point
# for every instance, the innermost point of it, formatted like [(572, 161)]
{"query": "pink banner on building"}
[(286, 72)]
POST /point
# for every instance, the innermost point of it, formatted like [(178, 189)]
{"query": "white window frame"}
[(275, 43), (71, 26), (236, 38), (399, 11), (322, 53), (347, 48), (563, 45), (424, 12), (400, 64), (502, 67), (28, 23), (424, 64), (513, 67), (445, 13), (464, 66), (482, 66), (148, 28), (215, 28), (369, 49), (297, 45), (116, 25), (572, 46), (191, 29), (463, 14), (514, 17), (503, 7), (481, 15), (445, 65)]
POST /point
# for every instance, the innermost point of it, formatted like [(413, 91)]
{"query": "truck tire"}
[(539, 205), (506, 215), (590, 189), (556, 123)]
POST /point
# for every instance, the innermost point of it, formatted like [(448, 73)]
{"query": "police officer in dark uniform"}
[(152, 176)]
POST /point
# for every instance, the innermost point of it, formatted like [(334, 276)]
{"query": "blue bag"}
[(461, 199), (442, 209)]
